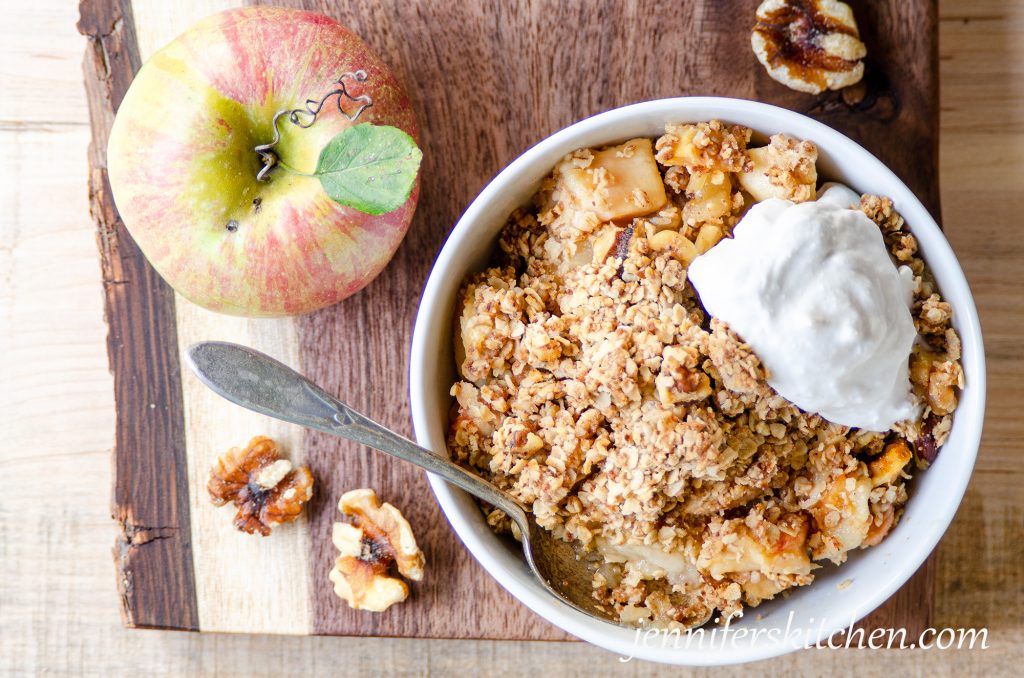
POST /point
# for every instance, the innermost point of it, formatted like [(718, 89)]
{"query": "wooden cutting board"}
[(488, 80)]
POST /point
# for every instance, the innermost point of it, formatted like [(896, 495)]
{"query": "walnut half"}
[(265, 488), (379, 537), (809, 45)]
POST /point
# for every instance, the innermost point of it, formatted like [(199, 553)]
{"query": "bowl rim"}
[(940, 257)]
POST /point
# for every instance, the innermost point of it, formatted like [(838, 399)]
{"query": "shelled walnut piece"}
[(267, 490), (380, 537), (809, 45)]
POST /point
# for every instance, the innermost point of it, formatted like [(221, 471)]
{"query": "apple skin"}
[(183, 170)]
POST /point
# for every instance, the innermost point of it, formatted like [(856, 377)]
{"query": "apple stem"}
[(305, 117), (291, 170)]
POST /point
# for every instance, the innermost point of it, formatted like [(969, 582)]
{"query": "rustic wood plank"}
[(150, 489), (244, 583)]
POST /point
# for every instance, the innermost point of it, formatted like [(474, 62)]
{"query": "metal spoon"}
[(256, 381)]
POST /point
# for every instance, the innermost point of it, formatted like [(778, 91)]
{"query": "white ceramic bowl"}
[(817, 610)]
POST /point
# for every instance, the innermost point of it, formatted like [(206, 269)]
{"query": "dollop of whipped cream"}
[(812, 289)]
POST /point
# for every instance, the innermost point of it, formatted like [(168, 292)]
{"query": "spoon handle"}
[(256, 381)]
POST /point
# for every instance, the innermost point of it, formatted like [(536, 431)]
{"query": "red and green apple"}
[(183, 168)]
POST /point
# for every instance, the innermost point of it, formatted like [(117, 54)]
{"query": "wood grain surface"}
[(58, 598), (487, 81), (149, 495)]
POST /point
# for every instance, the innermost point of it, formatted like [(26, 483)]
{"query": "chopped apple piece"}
[(620, 182), (843, 515), (704, 146), (676, 148), (785, 168), (747, 553), (651, 561), (708, 237), (756, 181), (886, 468), (676, 244), (604, 243), (709, 197)]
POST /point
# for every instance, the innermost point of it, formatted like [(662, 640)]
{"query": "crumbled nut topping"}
[(809, 45), (378, 538), (595, 390), (266, 489)]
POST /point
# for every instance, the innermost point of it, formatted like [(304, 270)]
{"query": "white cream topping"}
[(838, 194), (812, 289)]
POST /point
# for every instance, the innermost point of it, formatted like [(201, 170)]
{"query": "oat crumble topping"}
[(595, 390)]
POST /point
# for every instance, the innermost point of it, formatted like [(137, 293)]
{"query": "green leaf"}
[(369, 167)]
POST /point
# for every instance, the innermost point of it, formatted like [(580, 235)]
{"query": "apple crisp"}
[(597, 391)]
